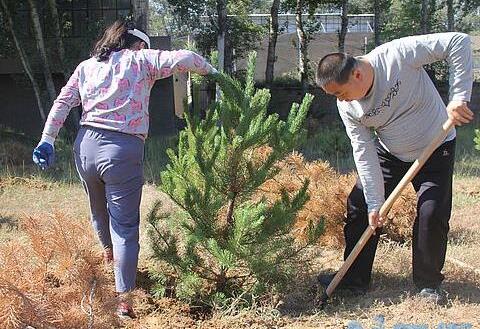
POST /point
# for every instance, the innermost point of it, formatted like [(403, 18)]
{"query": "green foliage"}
[(242, 33), (197, 19), (330, 141), (226, 241), (476, 139), (404, 19)]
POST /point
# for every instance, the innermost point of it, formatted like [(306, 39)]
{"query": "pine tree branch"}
[(161, 235), (204, 276), (229, 217)]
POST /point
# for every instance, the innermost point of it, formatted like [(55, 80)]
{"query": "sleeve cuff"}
[(460, 98), (373, 208), (213, 70), (48, 139)]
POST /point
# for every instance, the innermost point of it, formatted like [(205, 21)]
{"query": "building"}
[(78, 19)]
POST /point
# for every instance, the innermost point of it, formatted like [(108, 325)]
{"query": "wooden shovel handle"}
[(416, 166)]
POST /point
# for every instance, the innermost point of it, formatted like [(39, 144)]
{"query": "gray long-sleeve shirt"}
[(403, 107)]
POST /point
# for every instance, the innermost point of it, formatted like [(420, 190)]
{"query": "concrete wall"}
[(287, 52), (286, 64)]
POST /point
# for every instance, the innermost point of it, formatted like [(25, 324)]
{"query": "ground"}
[(390, 302)]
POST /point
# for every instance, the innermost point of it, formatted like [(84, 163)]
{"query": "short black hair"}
[(335, 67)]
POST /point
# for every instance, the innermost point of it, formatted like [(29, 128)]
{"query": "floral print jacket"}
[(114, 94)]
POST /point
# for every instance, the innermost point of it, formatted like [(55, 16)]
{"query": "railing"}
[(328, 23)]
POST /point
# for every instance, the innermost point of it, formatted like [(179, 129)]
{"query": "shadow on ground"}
[(385, 290), (8, 223)]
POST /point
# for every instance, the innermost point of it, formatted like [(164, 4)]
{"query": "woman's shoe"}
[(125, 311)]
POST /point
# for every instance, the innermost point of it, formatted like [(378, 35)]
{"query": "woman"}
[(113, 87)]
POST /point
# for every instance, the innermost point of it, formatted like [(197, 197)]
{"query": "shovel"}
[(416, 166)]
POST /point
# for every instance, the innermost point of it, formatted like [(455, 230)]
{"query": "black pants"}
[(433, 185)]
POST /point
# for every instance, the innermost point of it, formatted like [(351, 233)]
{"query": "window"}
[(80, 15)]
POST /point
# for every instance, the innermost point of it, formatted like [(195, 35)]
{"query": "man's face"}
[(353, 89)]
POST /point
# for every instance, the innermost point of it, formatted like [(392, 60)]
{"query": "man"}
[(391, 112)]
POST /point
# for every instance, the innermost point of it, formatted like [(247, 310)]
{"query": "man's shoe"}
[(435, 295), (355, 289)]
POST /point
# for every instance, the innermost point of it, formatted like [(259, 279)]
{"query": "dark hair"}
[(335, 67), (115, 38)]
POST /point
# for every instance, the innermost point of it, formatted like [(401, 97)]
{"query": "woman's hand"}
[(44, 155)]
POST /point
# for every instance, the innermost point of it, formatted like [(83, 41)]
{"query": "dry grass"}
[(328, 191), (391, 298), (47, 279), (14, 153)]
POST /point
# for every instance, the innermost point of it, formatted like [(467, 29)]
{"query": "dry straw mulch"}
[(54, 276), (328, 191)]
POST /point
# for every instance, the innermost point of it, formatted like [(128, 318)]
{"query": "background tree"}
[(376, 23), (38, 35), (467, 15), (303, 46), (450, 16), (221, 34), (200, 20), (424, 16), (477, 139), (224, 243), (343, 26), (140, 14), (305, 30), (300, 7), (52, 5), (272, 42), (379, 8), (7, 17)]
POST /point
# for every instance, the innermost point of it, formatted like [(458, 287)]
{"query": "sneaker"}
[(436, 295), (355, 289), (125, 311)]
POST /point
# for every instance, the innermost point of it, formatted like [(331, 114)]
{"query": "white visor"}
[(139, 34)]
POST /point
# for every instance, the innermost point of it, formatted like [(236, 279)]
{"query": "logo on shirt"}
[(386, 101)]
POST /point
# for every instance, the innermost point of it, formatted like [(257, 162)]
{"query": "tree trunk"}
[(303, 50), (47, 73), (229, 53), (344, 27), (58, 37), (75, 117), (432, 7), (376, 22), (222, 26), (24, 59), (140, 14), (450, 17), (272, 42), (424, 17)]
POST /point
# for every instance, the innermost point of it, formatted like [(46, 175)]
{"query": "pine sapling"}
[(223, 241)]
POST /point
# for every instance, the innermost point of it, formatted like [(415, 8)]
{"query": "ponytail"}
[(115, 38)]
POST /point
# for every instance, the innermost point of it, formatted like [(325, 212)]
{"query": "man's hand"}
[(459, 112), (374, 219)]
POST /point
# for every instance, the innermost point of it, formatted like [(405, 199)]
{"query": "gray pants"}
[(110, 165)]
